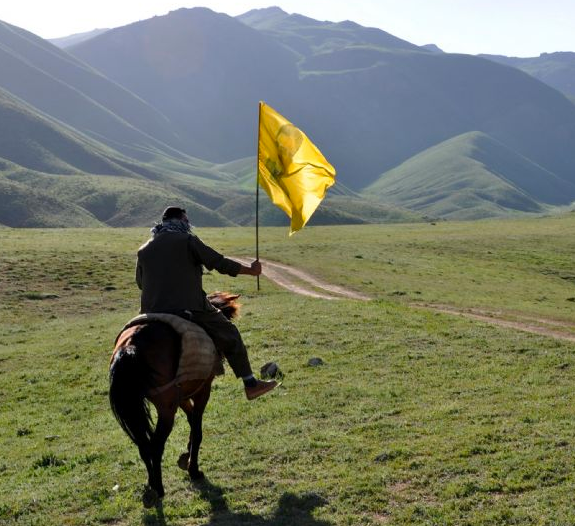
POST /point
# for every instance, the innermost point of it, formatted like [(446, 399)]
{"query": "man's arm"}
[(139, 275), (254, 270), (212, 259)]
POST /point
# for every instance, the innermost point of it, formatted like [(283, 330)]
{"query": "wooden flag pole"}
[(258, 192)]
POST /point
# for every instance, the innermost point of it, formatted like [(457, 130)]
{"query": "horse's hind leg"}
[(184, 459), (163, 429), (195, 411)]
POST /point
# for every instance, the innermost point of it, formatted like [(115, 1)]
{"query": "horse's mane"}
[(226, 302)]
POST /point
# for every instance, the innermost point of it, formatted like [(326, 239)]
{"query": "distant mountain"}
[(205, 71), (61, 86), (307, 36), (555, 69), (71, 40), (368, 99), (469, 177), (165, 110), (433, 48)]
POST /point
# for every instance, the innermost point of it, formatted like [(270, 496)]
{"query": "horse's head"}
[(226, 302)]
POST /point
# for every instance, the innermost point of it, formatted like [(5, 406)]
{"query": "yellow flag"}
[(291, 169)]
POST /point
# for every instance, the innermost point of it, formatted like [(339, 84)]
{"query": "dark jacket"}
[(169, 272)]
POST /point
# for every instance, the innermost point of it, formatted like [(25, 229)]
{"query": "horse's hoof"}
[(150, 498), (197, 475), (183, 461)]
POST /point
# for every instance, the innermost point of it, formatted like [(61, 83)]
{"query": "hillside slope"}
[(117, 201), (470, 176), (76, 38), (369, 101), (37, 142), (24, 206), (205, 71), (53, 176), (61, 86), (555, 69)]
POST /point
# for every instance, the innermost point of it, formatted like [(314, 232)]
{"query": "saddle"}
[(199, 358)]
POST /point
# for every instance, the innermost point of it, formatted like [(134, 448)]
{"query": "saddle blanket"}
[(199, 358)]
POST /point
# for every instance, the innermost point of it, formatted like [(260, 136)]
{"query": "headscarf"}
[(181, 226)]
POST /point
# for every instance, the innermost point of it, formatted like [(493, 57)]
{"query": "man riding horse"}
[(169, 274)]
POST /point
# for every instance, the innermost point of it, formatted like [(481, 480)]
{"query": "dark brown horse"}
[(146, 358)]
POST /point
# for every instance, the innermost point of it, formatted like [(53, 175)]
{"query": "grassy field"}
[(415, 418)]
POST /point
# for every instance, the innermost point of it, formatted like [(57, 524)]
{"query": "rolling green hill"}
[(24, 206), (40, 143), (334, 210), (52, 175), (470, 176), (117, 201)]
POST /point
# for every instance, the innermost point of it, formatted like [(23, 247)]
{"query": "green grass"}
[(416, 418)]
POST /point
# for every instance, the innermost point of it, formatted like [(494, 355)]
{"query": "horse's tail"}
[(127, 396)]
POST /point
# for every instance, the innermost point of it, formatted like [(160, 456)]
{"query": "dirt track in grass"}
[(301, 282), (521, 322)]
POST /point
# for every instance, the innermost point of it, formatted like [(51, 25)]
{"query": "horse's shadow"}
[(292, 509)]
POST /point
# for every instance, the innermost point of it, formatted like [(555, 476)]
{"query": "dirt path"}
[(543, 326), (300, 282)]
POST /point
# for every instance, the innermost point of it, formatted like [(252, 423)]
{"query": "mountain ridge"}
[(555, 69), (151, 101)]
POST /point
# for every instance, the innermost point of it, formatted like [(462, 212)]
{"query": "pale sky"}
[(508, 27)]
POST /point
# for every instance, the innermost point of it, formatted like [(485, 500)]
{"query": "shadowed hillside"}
[(203, 70), (37, 142), (555, 69), (369, 100), (408, 102), (59, 85)]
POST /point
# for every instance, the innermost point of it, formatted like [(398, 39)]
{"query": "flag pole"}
[(258, 191)]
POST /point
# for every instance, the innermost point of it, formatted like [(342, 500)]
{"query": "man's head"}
[(174, 212), (174, 219)]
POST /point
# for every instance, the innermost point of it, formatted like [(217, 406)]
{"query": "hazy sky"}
[(507, 27)]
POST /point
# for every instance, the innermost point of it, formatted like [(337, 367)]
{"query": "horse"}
[(146, 358)]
